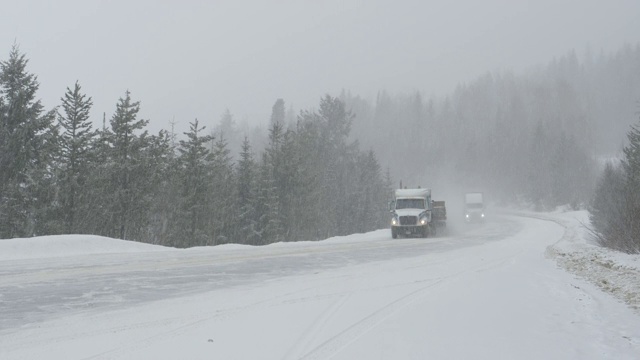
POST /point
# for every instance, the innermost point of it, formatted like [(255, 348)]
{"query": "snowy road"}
[(481, 292)]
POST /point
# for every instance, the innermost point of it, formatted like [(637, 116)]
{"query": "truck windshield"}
[(410, 204), (474, 206)]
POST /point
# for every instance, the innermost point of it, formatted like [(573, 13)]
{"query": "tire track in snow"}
[(183, 325), (346, 337), (312, 331), (352, 333)]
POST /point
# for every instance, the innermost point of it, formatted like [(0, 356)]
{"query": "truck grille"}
[(408, 220)]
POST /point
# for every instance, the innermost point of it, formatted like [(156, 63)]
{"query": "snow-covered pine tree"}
[(631, 162), (335, 123), (99, 215), (270, 212), (229, 129), (282, 153), (27, 146), (190, 226), (271, 228), (615, 206), (162, 172), (75, 155), (129, 182), (278, 114), (631, 165), (607, 208), (307, 213), (247, 226), (224, 213), (371, 195), (291, 189)]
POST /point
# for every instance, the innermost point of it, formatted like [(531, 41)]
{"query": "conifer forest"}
[(565, 133)]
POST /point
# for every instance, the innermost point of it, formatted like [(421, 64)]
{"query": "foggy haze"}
[(194, 59)]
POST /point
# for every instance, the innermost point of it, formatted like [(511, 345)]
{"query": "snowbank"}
[(614, 272), (68, 245)]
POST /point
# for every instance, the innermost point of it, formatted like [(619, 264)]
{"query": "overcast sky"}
[(193, 59)]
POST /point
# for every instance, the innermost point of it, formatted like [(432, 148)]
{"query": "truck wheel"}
[(433, 230), (425, 232), (393, 234)]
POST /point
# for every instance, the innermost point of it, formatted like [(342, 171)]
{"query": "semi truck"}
[(412, 213), (474, 207)]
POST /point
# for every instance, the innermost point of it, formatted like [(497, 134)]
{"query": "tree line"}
[(59, 175), (531, 139), (615, 207)]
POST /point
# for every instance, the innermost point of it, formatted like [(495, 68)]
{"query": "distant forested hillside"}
[(535, 137)]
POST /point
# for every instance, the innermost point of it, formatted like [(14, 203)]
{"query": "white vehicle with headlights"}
[(411, 212), (473, 207)]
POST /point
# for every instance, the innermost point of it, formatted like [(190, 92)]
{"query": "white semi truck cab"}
[(411, 213)]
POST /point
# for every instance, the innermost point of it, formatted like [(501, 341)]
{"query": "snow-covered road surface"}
[(482, 292)]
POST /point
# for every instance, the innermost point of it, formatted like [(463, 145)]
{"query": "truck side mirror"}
[(392, 205)]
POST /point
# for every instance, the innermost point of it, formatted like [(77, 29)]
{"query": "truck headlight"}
[(394, 221), (423, 221)]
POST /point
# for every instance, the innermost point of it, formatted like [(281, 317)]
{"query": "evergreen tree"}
[(98, 218), (278, 114), (76, 140), (372, 195), (27, 147), (335, 123), (246, 195), (329, 170), (224, 212), (631, 165), (161, 168), (271, 228), (615, 207), (228, 129), (308, 213), (192, 219), (607, 210), (291, 189), (271, 184), (127, 148)]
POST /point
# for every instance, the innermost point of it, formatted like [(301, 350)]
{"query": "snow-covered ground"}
[(520, 286)]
